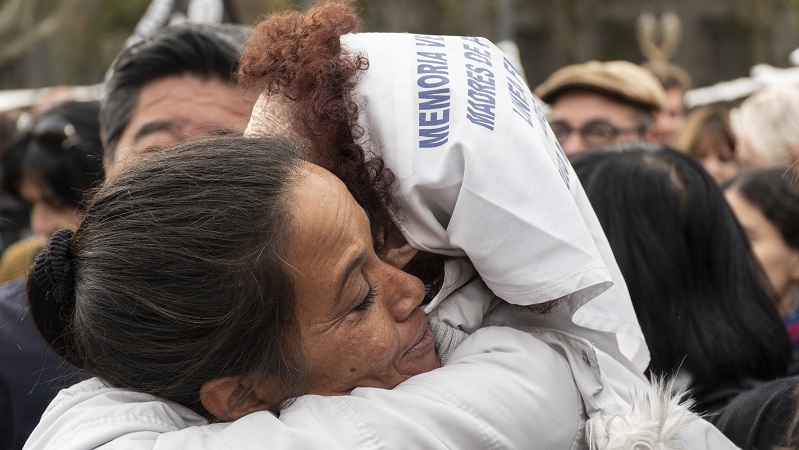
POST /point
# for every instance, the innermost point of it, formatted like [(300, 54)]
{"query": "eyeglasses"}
[(56, 132), (596, 133)]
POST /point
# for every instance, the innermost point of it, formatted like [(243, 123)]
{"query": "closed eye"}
[(368, 300)]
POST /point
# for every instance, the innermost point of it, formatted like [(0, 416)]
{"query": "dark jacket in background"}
[(30, 373)]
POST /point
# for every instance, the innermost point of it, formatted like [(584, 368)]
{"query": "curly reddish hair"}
[(298, 58)]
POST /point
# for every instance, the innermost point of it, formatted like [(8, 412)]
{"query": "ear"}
[(396, 251), (231, 398)]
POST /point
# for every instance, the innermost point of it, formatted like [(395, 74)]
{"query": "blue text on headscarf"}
[(434, 95), (482, 88)]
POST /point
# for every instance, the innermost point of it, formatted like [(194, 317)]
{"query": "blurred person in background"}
[(50, 165), (766, 203), (694, 282), (177, 84), (14, 224), (708, 137), (676, 82), (145, 106), (766, 127), (596, 104)]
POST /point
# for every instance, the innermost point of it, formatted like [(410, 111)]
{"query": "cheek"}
[(71, 219), (351, 355), (67, 218), (60, 217), (774, 260), (730, 169)]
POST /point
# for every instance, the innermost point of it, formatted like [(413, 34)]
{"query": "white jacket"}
[(500, 389), (440, 409)]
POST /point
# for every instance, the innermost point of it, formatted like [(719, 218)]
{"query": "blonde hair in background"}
[(769, 121)]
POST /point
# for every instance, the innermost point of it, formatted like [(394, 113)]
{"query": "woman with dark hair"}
[(335, 96), (404, 109), (766, 203), (274, 316), (229, 309), (695, 283), (50, 165)]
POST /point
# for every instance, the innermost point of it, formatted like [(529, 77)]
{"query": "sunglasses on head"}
[(56, 132)]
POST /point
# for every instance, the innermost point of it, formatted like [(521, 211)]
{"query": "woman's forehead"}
[(330, 230), (324, 212), (317, 186)]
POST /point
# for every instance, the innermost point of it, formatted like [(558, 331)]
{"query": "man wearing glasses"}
[(595, 104)]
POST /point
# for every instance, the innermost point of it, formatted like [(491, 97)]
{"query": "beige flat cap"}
[(621, 79)]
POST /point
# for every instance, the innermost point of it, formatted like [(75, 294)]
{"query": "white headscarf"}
[(480, 174)]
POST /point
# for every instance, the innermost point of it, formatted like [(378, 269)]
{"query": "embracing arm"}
[(501, 388)]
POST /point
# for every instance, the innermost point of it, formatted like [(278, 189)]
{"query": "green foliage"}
[(118, 15)]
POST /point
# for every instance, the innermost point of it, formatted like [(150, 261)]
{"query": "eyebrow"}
[(357, 262), (221, 131), (154, 127)]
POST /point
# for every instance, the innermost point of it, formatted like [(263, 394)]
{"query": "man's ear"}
[(231, 398)]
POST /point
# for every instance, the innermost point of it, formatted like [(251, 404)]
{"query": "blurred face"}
[(48, 212), (719, 167), (780, 261), (747, 155), (179, 108), (716, 155), (359, 317), (592, 113), (671, 118)]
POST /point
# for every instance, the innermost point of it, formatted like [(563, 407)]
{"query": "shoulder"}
[(91, 413)]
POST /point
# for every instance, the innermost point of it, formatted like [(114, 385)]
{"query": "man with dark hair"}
[(177, 84)]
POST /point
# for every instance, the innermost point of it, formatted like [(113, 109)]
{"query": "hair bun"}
[(53, 270)]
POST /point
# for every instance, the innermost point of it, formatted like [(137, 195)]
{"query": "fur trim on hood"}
[(654, 423)]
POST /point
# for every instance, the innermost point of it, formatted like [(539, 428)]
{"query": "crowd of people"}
[(307, 236)]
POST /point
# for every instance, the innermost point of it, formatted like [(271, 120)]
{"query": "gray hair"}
[(769, 121)]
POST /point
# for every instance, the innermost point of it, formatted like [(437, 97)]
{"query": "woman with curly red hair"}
[(449, 127), (440, 143)]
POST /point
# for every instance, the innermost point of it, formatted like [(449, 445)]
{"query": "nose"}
[(405, 293), (574, 144)]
